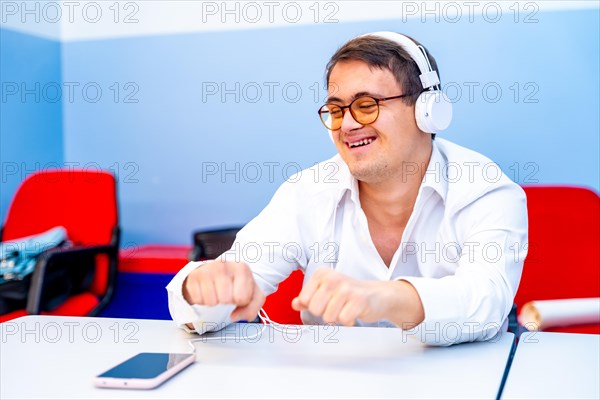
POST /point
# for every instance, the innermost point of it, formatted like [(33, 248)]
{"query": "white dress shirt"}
[(463, 247)]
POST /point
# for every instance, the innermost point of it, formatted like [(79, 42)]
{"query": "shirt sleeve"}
[(272, 243), (474, 303), (271, 246)]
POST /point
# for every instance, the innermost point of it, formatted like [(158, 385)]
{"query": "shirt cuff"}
[(441, 306), (439, 299), (203, 318)]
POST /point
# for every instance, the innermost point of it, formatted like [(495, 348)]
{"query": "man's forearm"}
[(402, 304)]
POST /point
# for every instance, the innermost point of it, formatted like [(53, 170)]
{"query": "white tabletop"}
[(555, 366), (56, 357)]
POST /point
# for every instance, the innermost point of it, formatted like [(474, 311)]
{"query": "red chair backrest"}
[(563, 259), (83, 201)]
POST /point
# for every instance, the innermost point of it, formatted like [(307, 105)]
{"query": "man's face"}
[(394, 137)]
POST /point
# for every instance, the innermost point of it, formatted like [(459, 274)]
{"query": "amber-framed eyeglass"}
[(364, 110)]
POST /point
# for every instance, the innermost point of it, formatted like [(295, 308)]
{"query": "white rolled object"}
[(543, 314)]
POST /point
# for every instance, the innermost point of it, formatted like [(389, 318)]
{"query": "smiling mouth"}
[(361, 143)]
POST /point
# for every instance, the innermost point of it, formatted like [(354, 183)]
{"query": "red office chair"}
[(209, 244), (563, 260), (85, 203)]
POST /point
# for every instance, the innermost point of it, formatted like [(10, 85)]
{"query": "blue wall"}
[(30, 109), (163, 133)]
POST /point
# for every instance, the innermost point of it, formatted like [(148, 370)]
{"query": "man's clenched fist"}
[(218, 282)]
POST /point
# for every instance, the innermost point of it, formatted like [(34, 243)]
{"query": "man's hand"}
[(340, 299), (219, 282)]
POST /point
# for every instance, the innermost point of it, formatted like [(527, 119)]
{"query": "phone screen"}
[(145, 366)]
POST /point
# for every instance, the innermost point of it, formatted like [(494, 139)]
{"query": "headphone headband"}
[(429, 77)]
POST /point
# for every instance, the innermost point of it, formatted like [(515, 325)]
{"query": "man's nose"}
[(348, 121)]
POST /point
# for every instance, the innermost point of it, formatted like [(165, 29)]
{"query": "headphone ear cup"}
[(433, 111)]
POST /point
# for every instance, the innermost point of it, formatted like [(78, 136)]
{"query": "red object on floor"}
[(589, 329), (563, 261), (12, 315), (154, 259), (78, 305)]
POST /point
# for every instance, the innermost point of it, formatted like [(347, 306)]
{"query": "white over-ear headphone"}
[(433, 110)]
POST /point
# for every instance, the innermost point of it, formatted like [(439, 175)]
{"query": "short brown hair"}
[(382, 53)]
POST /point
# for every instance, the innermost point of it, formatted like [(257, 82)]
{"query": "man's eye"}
[(367, 106)]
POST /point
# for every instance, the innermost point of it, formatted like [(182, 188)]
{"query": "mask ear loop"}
[(264, 318), (285, 329)]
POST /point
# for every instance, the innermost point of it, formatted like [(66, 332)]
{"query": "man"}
[(410, 231)]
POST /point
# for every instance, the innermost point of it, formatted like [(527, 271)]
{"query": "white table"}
[(56, 357), (555, 366)]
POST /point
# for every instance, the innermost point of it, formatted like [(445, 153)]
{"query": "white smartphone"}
[(144, 370)]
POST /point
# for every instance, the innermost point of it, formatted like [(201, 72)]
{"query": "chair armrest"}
[(53, 257)]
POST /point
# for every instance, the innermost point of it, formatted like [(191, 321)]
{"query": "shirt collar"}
[(434, 177), (348, 184)]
